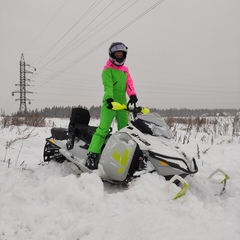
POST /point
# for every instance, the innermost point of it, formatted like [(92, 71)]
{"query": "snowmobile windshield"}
[(156, 125)]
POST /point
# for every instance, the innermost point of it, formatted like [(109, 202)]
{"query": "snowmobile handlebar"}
[(135, 110)]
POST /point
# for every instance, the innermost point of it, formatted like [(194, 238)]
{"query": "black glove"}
[(109, 102), (133, 99)]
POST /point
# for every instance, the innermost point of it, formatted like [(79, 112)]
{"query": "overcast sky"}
[(182, 54)]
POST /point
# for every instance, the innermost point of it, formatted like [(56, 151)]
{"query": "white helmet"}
[(117, 47)]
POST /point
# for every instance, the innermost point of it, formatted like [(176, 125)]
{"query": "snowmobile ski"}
[(224, 181), (184, 187)]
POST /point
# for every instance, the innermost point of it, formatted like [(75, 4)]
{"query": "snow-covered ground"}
[(51, 201)]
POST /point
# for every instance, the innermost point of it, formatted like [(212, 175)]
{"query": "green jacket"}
[(117, 82)]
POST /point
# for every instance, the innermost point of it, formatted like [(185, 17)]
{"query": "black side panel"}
[(135, 161), (142, 126)]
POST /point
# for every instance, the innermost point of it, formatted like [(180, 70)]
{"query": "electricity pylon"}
[(22, 86)]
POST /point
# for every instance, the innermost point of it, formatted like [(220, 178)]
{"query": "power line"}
[(113, 13), (74, 25), (68, 47), (46, 26), (103, 42)]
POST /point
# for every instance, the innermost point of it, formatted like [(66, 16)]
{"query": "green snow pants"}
[(106, 118)]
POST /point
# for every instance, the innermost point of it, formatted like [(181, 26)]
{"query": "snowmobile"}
[(145, 145)]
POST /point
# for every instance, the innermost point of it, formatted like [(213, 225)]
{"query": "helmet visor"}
[(118, 48)]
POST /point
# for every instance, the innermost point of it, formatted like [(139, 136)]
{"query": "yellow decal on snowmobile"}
[(52, 140), (122, 159), (120, 170)]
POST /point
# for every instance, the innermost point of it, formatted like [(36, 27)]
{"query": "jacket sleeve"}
[(130, 87), (107, 84)]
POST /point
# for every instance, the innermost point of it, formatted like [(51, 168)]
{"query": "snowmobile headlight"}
[(163, 163), (52, 140)]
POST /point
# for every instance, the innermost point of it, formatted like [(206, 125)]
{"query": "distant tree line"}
[(184, 112), (65, 112)]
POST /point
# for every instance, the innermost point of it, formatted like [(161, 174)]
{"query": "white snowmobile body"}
[(146, 141)]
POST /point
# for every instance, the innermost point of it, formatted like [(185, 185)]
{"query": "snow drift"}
[(51, 201)]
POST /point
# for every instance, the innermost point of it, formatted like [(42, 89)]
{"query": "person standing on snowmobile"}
[(117, 81)]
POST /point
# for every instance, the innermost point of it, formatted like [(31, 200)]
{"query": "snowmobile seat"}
[(79, 116), (59, 133), (78, 126), (84, 132)]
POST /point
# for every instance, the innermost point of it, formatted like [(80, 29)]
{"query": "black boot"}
[(92, 161)]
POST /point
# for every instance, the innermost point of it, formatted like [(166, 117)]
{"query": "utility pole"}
[(22, 86)]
